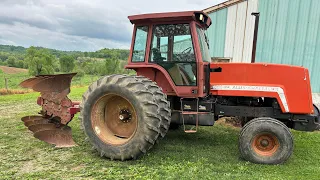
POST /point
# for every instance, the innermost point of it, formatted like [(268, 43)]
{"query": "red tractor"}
[(177, 84)]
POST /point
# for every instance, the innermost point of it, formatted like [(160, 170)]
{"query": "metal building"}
[(289, 33)]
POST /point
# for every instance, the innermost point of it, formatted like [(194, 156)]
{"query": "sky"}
[(83, 25)]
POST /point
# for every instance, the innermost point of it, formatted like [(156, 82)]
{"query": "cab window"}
[(172, 48), (204, 45), (140, 42)]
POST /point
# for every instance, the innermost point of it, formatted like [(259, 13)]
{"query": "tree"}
[(4, 56), (111, 66), (20, 64), (56, 65), (11, 61), (66, 63), (91, 67), (40, 61)]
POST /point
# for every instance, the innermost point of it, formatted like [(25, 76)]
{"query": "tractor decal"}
[(278, 90)]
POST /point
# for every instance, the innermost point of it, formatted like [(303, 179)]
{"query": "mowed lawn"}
[(211, 153)]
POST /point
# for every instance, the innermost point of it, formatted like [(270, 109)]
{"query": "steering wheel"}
[(188, 50)]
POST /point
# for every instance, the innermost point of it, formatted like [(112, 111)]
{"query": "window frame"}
[(134, 42), (199, 40)]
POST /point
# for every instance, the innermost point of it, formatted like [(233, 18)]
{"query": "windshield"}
[(203, 42)]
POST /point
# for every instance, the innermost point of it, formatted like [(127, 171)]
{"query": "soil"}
[(12, 70)]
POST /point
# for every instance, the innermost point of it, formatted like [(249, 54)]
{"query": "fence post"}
[(6, 83)]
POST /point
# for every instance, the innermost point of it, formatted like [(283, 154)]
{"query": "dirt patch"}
[(12, 70), (229, 122), (14, 91)]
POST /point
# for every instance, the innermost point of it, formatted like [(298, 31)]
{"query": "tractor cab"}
[(171, 49)]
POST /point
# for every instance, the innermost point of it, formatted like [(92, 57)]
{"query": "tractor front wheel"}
[(123, 116), (265, 141)]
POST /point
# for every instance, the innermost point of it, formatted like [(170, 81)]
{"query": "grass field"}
[(209, 154)]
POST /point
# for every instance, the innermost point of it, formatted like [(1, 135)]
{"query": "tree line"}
[(49, 61)]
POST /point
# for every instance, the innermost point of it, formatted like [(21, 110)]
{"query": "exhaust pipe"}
[(255, 36)]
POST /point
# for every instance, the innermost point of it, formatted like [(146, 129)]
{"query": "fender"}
[(162, 78)]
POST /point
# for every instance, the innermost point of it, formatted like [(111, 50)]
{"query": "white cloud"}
[(79, 24)]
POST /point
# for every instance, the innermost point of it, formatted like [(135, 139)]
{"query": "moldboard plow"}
[(57, 109)]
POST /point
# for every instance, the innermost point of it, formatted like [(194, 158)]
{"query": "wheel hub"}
[(265, 144), (125, 115), (114, 119)]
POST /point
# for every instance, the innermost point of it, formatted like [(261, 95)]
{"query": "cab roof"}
[(170, 16)]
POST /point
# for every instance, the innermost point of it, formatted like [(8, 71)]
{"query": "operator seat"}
[(179, 76)]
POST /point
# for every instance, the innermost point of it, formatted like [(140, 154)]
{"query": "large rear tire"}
[(123, 116), (161, 100), (265, 141)]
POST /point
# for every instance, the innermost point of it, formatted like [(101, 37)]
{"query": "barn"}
[(289, 33)]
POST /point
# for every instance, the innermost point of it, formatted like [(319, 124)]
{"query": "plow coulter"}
[(57, 109)]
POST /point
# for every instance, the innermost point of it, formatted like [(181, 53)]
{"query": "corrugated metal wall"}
[(231, 32), (216, 35), (289, 33)]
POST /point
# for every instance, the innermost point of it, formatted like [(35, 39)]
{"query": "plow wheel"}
[(123, 115), (265, 141)]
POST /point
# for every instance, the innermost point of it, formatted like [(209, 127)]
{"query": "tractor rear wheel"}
[(265, 141), (121, 115)]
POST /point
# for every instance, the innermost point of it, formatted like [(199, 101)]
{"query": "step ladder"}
[(194, 129)]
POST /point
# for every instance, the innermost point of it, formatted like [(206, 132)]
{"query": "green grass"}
[(13, 79), (209, 154)]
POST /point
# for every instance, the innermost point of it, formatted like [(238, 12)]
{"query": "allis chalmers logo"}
[(275, 89), (246, 88)]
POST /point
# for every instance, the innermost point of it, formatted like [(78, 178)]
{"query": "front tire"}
[(120, 115), (265, 141)]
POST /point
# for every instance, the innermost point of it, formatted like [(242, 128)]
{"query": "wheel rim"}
[(265, 144), (114, 119)]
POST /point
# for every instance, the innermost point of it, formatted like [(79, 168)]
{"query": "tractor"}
[(176, 84)]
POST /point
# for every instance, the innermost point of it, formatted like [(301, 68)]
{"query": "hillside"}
[(102, 53), (12, 70)]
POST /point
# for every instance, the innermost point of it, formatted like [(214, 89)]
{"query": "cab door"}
[(172, 48)]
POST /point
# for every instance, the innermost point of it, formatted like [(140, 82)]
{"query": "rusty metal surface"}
[(49, 131), (41, 127), (36, 121), (30, 118), (51, 126), (54, 90), (49, 83), (60, 137), (110, 122)]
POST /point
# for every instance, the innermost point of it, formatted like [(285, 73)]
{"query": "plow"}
[(177, 85), (57, 109)]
